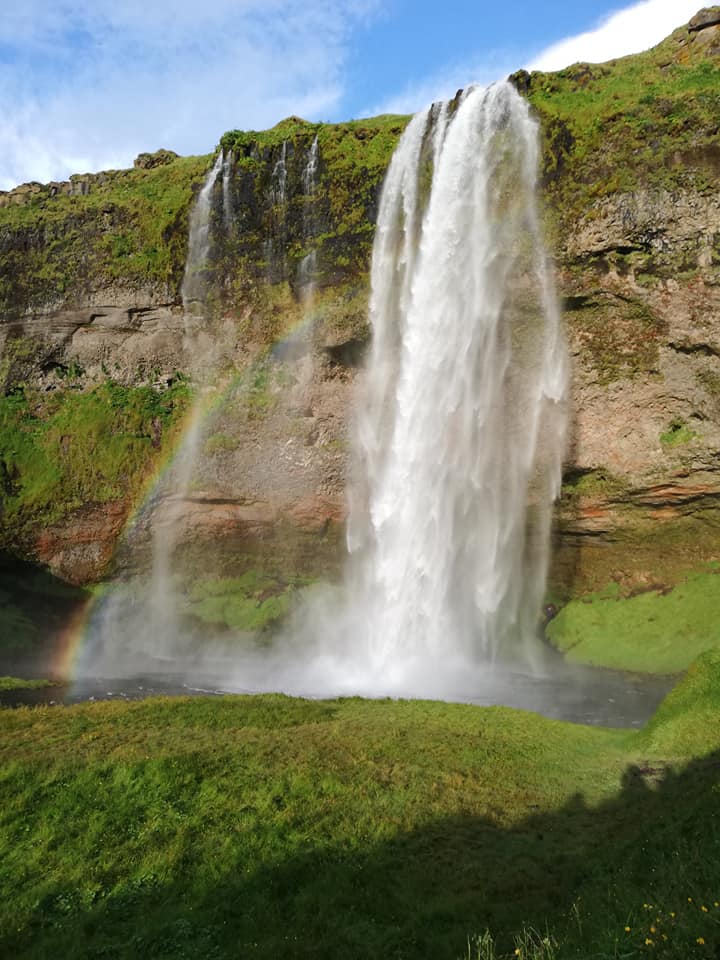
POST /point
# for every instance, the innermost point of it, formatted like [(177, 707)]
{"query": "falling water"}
[(228, 211), (460, 433), (164, 601), (277, 240), (195, 282), (141, 620), (308, 266)]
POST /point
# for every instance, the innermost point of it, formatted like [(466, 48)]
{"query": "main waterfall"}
[(460, 430)]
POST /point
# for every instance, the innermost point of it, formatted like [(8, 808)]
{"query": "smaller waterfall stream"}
[(164, 621), (308, 266), (141, 621), (195, 284)]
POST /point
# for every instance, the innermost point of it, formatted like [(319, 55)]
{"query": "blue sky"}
[(88, 84)]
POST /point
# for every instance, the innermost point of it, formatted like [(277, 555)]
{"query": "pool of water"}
[(577, 694)]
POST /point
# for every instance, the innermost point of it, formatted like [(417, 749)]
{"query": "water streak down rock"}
[(460, 432)]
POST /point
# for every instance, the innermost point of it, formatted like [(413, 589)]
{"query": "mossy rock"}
[(251, 603)]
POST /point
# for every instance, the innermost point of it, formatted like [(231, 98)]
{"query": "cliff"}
[(97, 363)]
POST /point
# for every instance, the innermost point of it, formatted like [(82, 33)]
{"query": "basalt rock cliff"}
[(98, 361)]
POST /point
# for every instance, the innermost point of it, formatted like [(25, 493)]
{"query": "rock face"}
[(632, 194), (147, 161), (708, 17)]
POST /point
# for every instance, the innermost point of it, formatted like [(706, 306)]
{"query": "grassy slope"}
[(271, 827), (654, 632), (649, 119)]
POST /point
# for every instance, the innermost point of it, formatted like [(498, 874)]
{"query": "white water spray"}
[(461, 427)]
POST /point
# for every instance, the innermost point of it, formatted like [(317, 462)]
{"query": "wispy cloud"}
[(87, 84), (628, 31)]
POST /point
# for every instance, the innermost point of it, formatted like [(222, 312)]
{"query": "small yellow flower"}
[(518, 952), (672, 914), (648, 942), (645, 906), (652, 930), (627, 929), (701, 941), (689, 899), (704, 908), (664, 936), (716, 904)]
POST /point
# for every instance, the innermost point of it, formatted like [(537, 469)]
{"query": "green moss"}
[(647, 120), (653, 632), (131, 226), (16, 683), (251, 603), (220, 442), (63, 450), (599, 482), (620, 337), (677, 434)]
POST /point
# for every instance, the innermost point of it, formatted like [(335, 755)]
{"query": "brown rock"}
[(707, 17), (147, 161), (80, 548)]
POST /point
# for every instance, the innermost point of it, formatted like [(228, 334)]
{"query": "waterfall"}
[(228, 212), (141, 622), (195, 284), (460, 431), (164, 602), (277, 239), (308, 266)]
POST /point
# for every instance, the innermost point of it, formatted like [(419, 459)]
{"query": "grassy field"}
[(271, 827)]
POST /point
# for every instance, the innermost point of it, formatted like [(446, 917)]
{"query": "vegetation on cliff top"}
[(649, 119), (130, 227), (266, 827)]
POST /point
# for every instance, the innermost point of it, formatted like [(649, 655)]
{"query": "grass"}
[(17, 683), (658, 631), (268, 826), (645, 120), (677, 434)]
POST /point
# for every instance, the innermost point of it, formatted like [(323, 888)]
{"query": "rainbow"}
[(76, 636)]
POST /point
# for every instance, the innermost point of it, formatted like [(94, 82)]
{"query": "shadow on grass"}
[(581, 872), (35, 607)]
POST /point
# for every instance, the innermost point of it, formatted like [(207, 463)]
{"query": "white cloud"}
[(628, 31), (88, 84)]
